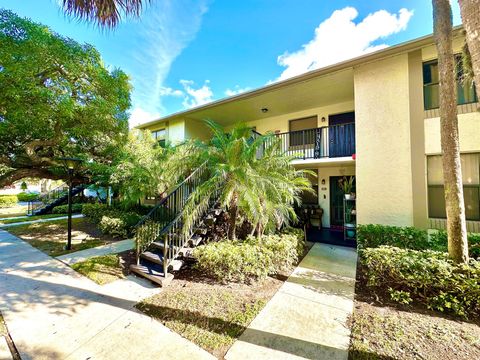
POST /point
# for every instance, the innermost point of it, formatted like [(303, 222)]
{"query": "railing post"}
[(304, 145)]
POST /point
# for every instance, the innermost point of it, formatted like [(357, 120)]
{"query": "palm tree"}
[(452, 172), (260, 189), (106, 13), (470, 11)]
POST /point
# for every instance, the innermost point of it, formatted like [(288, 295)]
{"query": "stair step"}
[(176, 265), (160, 245), (152, 257), (201, 231), (215, 211), (195, 240), (152, 273)]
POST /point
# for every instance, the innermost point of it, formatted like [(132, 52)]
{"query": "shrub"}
[(94, 211), (441, 237), (63, 209), (23, 196), (8, 201), (427, 277), (110, 220), (254, 258), (234, 261), (403, 237)]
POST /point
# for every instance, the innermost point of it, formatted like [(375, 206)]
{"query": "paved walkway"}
[(39, 221), (52, 312), (307, 317), (113, 248)]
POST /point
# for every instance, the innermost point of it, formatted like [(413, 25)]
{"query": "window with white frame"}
[(471, 186)]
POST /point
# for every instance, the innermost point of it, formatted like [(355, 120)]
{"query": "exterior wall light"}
[(264, 110)]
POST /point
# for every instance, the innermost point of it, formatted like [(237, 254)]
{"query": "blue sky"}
[(184, 53)]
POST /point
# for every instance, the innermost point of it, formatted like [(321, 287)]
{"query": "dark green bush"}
[(426, 277), (402, 237), (95, 211), (8, 201), (440, 237), (254, 258), (110, 220), (63, 209), (23, 196)]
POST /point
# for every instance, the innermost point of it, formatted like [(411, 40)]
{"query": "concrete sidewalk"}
[(113, 248), (306, 318), (39, 221), (52, 312)]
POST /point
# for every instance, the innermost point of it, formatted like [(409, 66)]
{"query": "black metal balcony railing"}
[(324, 142)]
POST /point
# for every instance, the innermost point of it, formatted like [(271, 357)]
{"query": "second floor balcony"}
[(332, 141)]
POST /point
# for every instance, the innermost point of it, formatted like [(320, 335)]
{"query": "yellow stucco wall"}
[(196, 129), (281, 122), (383, 165), (469, 133)]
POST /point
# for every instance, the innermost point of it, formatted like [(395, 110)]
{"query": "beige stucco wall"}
[(324, 190), (281, 122), (468, 128), (383, 165), (196, 129)]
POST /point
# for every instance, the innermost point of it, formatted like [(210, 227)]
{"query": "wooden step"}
[(195, 240), (152, 257), (160, 245), (176, 265), (152, 273), (215, 212), (200, 231)]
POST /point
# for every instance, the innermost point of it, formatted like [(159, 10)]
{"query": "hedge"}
[(24, 196), (8, 201), (63, 209), (370, 236), (426, 277), (252, 259)]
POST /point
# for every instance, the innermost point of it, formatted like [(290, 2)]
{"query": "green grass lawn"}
[(17, 210), (30, 218), (51, 237), (102, 269)]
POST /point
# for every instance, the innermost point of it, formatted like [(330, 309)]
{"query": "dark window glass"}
[(465, 91)]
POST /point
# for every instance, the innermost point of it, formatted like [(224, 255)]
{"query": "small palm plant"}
[(260, 189)]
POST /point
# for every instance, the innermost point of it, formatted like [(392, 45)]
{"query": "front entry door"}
[(336, 203), (341, 136)]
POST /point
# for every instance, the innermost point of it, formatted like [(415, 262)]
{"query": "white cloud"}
[(236, 90), (168, 91), (139, 116), (164, 30), (196, 96), (339, 38)]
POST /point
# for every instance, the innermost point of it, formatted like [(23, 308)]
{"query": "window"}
[(465, 92), (299, 137), (471, 186), (160, 136)]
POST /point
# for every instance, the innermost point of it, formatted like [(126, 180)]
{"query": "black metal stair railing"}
[(164, 222), (47, 198)]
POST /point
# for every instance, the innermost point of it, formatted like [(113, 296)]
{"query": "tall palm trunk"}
[(452, 172), (233, 211), (470, 10)]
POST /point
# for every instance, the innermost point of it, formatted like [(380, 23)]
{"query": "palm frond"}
[(105, 13)]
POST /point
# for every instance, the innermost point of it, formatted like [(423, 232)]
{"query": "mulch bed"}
[(383, 329)]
